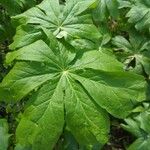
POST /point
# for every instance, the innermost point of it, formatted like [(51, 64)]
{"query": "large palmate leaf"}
[(69, 21), (105, 9), (139, 126), (135, 52), (72, 89), (139, 14), (4, 136)]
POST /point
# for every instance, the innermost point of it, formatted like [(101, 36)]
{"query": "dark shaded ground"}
[(119, 139)]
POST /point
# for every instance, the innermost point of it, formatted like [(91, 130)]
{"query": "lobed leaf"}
[(66, 87), (70, 21), (139, 14)]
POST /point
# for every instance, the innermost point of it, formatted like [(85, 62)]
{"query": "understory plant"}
[(72, 66)]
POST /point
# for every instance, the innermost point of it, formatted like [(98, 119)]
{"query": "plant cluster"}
[(71, 70)]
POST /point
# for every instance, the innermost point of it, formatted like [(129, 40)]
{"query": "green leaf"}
[(105, 9), (84, 125), (113, 88), (15, 7), (20, 147), (125, 3), (140, 144), (29, 34), (66, 87), (70, 22), (139, 14), (140, 127), (137, 48), (4, 134), (42, 122)]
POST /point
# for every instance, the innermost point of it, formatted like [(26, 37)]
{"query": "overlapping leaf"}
[(135, 52), (105, 9), (139, 13), (73, 87), (66, 88), (69, 21), (139, 127)]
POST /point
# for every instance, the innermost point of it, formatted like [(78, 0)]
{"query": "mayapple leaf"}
[(139, 126), (105, 9), (139, 14), (136, 48), (70, 22), (76, 89)]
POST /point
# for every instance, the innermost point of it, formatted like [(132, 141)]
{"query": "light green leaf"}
[(4, 136), (27, 34), (139, 14), (113, 87), (140, 127), (42, 122), (87, 127), (122, 43), (125, 3), (23, 74), (21, 147), (140, 144), (72, 22), (66, 87)]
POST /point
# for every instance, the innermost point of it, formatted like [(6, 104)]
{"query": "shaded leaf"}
[(4, 136)]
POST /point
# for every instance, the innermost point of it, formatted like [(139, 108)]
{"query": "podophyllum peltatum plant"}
[(136, 51), (139, 13), (139, 127), (66, 87)]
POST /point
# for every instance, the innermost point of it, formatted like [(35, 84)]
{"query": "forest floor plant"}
[(75, 75)]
